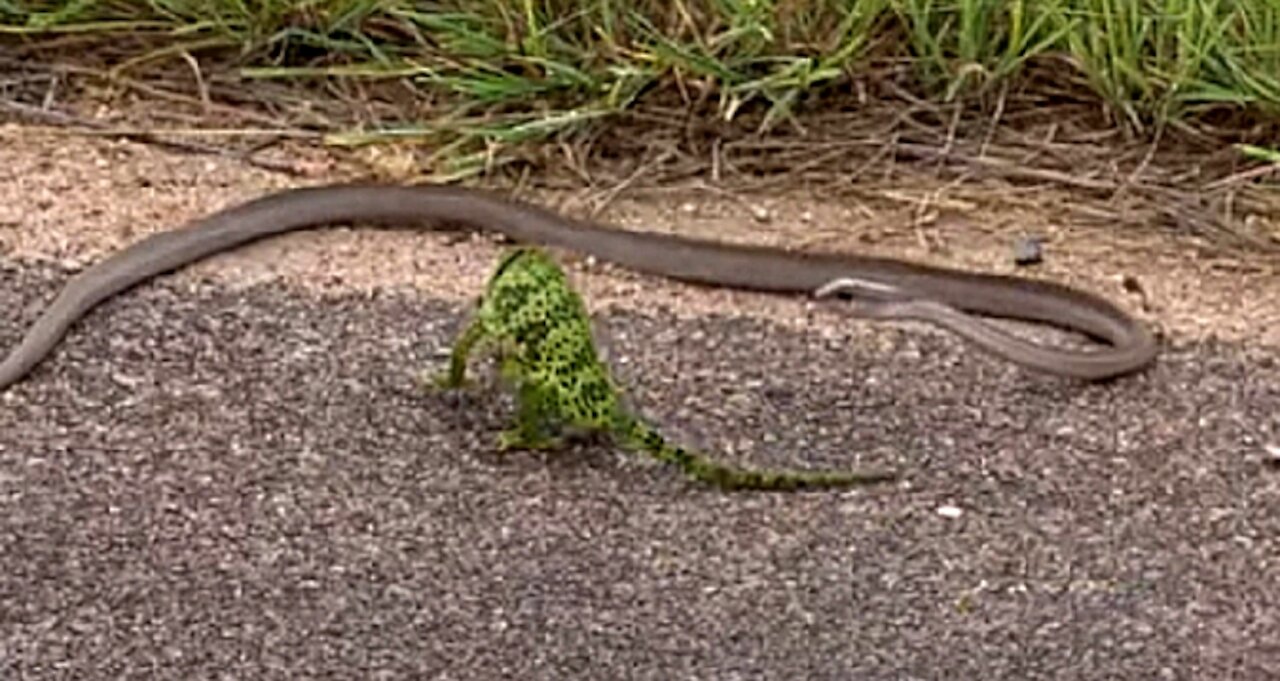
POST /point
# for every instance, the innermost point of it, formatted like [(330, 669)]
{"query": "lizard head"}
[(528, 264)]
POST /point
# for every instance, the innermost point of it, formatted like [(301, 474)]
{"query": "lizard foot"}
[(517, 438)]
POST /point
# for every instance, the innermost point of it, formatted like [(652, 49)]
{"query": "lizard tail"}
[(644, 438)]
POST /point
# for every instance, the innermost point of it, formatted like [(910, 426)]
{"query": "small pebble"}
[(1028, 251), (949, 511)]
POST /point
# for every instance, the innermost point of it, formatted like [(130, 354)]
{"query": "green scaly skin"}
[(536, 324)]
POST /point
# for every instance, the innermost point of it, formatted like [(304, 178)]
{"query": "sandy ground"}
[(74, 200), (230, 473)]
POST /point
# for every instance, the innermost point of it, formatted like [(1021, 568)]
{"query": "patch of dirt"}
[(73, 200)]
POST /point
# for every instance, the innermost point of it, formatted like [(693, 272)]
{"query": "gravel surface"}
[(248, 485)]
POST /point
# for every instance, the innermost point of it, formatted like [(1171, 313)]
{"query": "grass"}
[(516, 70)]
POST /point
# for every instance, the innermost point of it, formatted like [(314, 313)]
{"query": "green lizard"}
[(535, 323)]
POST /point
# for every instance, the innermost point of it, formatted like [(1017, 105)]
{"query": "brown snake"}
[(893, 288)]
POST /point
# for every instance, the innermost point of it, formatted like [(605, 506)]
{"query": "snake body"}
[(898, 289)]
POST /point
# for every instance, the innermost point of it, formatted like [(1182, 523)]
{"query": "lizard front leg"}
[(537, 419), (456, 375)]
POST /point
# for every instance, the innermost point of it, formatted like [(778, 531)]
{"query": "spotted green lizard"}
[(535, 323)]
